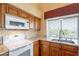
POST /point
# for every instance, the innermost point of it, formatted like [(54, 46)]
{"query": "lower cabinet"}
[(36, 48), (54, 51), (68, 53), (44, 50)]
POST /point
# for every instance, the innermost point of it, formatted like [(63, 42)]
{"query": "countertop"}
[(21, 43), (18, 44), (3, 49), (44, 38)]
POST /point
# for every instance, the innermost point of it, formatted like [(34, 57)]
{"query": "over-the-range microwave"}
[(14, 22)]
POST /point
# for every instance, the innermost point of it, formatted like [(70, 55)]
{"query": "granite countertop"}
[(44, 38), (3, 49), (21, 43)]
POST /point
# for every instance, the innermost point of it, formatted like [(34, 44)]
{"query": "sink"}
[(55, 40), (66, 41)]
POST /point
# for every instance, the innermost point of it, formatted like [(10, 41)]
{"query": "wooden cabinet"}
[(32, 22), (0, 8), (23, 14), (0, 20), (68, 53), (0, 15), (36, 48), (12, 10), (69, 50), (43, 42), (44, 50), (55, 51), (37, 24), (55, 45)]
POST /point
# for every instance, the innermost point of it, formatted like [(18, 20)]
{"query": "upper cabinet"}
[(37, 24), (12, 10), (0, 15), (22, 14), (0, 21), (34, 22)]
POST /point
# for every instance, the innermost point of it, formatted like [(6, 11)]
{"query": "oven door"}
[(23, 51)]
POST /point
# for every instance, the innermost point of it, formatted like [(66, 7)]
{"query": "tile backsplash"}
[(28, 34)]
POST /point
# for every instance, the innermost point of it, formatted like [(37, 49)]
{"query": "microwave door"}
[(13, 22), (9, 22)]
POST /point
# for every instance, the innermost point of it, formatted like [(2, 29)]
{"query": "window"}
[(53, 28), (69, 27), (66, 28)]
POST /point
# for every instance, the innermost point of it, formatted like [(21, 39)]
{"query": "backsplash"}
[(28, 34)]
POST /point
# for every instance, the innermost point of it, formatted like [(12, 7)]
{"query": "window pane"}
[(53, 29), (69, 27)]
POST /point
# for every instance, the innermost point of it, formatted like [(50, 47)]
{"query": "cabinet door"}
[(0, 8), (44, 50), (54, 51), (22, 14), (0, 15), (69, 48), (32, 22), (36, 48), (37, 24), (12, 10), (0, 20), (68, 53)]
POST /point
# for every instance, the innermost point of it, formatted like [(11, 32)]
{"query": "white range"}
[(18, 46)]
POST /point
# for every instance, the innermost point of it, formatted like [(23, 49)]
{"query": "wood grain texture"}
[(36, 48)]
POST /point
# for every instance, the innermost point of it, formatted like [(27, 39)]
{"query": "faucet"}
[(61, 34)]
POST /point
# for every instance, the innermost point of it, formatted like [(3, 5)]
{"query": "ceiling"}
[(38, 9), (50, 6)]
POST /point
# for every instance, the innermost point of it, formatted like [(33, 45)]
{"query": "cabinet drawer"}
[(44, 42), (70, 48), (56, 45), (68, 53), (55, 51)]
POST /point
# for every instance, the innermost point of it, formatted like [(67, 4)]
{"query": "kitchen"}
[(36, 31)]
